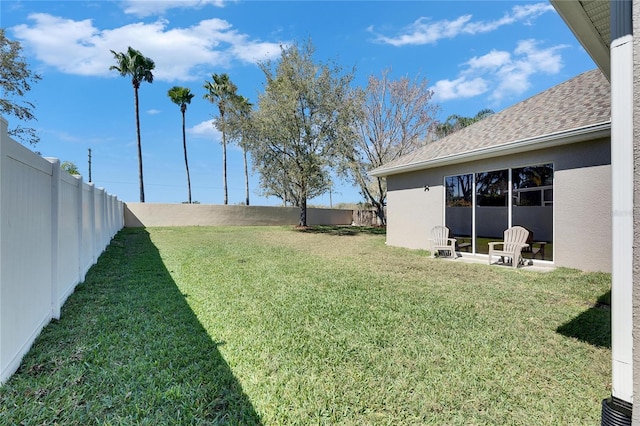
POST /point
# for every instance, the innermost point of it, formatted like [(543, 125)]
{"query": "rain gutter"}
[(566, 137)]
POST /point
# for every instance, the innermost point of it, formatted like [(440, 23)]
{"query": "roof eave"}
[(574, 15), (581, 134)]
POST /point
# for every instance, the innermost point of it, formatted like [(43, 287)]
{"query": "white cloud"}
[(445, 90), (205, 129), (78, 47), (424, 31), (530, 11), (256, 51), (545, 60), (492, 60), (502, 74), (144, 8), (153, 111), (526, 13), (514, 77)]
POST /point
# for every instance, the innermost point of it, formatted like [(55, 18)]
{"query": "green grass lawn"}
[(273, 325)]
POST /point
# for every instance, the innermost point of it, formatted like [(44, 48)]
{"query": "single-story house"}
[(589, 181), (544, 163)]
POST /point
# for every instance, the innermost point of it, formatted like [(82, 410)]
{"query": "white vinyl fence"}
[(53, 227)]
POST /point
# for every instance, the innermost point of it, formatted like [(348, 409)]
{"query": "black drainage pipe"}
[(616, 412)]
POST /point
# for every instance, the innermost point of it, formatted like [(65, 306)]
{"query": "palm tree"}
[(243, 108), (139, 67), (456, 122), (182, 96), (221, 92), (483, 113)]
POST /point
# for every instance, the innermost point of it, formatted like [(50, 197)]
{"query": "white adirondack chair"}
[(515, 239), (440, 241)]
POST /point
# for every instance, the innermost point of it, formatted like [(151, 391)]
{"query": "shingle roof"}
[(580, 102)]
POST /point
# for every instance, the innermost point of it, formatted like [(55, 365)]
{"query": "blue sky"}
[(475, 55)]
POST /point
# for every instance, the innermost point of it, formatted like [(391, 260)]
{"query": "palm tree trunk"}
[(246, 176), (186, 162), (224, 162), (140, 176)]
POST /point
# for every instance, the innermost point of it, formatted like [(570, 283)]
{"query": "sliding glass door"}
[(492, 210), (480, 206), (532, 207), (459, 209)]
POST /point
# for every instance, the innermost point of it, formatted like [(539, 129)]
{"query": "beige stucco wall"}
[(153, 214), (582, 210), (411, 210), (583, 219)]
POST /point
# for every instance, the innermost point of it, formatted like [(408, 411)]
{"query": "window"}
[(532, 207), (492, 212), (480, 206), (533, 185), (492, 188), (459, 190), (459, 205)]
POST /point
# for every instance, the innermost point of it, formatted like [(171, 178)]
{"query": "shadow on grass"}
[(593, 326), (343, 230), (127, 350)]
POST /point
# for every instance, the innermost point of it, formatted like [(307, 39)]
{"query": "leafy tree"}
[(221, 92), (397, 116), (69, 167), (456, 122), (16, 79), (182, 96), (239, 128), (139, 67), (304, 124)]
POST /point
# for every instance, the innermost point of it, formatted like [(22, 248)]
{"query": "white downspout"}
[(622, 182)]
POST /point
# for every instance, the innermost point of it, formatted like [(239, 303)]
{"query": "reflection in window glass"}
[(528, 198), (533, 185), (492, 188), (492, 211), (459, 213), (533, 208), (459, 190)]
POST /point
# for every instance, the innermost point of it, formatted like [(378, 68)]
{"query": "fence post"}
[(92, 221), (80, 225), (101, 204), (55, 234), (109, 218)]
